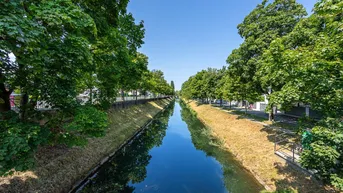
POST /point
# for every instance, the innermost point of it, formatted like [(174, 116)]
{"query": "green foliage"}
[(87, 122), (290, 59), (205, 84), (19, 141), (337, 181), (305, 65), (51, 51), (172, 86), (326, 152), (244, 79), (158, 84), (264, 24), (305, 123)]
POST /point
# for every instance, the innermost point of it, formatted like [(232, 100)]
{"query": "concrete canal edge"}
[(93, 171)]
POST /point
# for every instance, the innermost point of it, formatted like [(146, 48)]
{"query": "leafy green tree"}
[(204, 85), (305, 66), (311, 68), (158, 84), (172, 86), (53, 50), (264, 24), (186, 90), (42, 37), (219, 92), (230, 90)]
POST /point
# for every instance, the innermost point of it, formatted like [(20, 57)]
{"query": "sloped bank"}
[(59, 168), (252, 145)]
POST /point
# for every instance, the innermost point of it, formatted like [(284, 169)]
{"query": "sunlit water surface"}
[(174, 154)]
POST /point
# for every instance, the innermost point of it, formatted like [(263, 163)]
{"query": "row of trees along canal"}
[(52, 51), (290, 58)]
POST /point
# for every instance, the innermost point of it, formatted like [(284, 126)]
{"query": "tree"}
[(264, 24), (203, 85), (219, 93), (158, 84), (229, 88), (173, 86), (308, 66), (53, 50), (42, 38)]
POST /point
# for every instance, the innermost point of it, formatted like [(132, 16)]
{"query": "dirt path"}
[(252, 143)]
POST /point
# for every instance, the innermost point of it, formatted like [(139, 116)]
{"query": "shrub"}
[(19, 141), (86, 122), (326, 153)]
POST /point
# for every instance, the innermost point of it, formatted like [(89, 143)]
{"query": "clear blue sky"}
[(185, 36)]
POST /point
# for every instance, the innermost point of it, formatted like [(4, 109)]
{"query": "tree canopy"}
[(52, 51)]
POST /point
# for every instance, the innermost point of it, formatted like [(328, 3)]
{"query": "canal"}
[(175, 154)]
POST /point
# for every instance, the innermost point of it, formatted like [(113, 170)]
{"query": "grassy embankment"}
[(59, 168), (252, 143)]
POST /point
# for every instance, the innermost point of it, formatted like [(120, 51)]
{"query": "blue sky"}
[(185, 36)]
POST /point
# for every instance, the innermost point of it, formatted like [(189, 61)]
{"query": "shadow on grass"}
[(243, 115), (58, 169), (294, 176), (298, 179)]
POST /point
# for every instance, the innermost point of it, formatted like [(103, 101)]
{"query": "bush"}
[(304, 123), (326, 153), (86, 122), (19, 141)]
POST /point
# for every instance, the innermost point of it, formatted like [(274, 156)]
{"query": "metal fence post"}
[(275, 143), (293, 151)]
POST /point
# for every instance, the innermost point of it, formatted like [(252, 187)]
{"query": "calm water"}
[(174, 154)]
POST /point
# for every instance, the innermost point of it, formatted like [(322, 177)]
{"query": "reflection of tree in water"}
[(129, 163), (234, 174)]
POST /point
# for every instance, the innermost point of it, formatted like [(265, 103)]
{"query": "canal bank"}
[(175, 153), (59, 168), (252, 145)]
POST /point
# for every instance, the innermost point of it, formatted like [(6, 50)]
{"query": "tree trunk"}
[(230, 104), (123, 98), (271, 114), (221, 102), (5, 96), (136, 96), (246, 107), (24, 105), (6, 105), (122, 95)]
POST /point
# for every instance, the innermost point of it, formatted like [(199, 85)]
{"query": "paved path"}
[(279, 117)]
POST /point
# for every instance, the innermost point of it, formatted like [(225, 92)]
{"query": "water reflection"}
[(234, 176), (129, 164), (176, 153)]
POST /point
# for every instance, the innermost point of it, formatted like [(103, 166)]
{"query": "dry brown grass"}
[(252, 144), (59, 168)]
